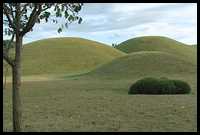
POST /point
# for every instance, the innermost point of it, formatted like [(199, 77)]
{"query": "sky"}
[(116, 22)]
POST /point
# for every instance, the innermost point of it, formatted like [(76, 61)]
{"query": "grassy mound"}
[(65, 56), (159, 86), (145, 63), (158, 43)]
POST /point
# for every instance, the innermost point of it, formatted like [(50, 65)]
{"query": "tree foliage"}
[(31, 13)]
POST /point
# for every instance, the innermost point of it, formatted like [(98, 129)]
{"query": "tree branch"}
[(8, 59), (35, 13), (6, 12), (11, 11), (24, 7)]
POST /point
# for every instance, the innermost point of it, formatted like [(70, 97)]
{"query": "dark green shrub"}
[(159, 86), (145, 86), (165, 86), (181, 87)]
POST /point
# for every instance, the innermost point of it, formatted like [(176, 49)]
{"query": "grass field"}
[(97, 99), (91, 104)]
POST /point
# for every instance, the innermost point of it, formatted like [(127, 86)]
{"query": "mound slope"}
[(145, 63), (158, 43), (65, 55)]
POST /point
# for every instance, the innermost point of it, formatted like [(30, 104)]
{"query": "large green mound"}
[(146, 63), (158, 43), (65, 55)]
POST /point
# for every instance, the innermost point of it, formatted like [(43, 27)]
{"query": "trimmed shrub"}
[(159, 86), (181, 87)]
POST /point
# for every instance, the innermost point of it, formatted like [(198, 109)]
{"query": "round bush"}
[(159, 86), (181, 87)]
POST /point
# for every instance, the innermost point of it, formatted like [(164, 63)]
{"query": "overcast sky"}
[(116, 22)]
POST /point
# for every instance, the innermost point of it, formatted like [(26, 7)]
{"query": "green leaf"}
[(71, 18), (58, 12), (76, 18), (47, 14), (46, 19), (66, 14), (55, 21), (55, 8), (41, 16), (80, 20), (59, 30), (77, 8), (66, 25), (63, 7)]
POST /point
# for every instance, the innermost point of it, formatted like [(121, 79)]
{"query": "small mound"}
[(159, 86), (158, 43), (145, 63)]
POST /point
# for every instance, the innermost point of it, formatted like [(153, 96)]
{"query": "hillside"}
[(145, 63), (65, 56), (158, 43)]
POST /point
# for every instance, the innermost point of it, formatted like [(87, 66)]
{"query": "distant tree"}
[(19, 19), (114, 45)]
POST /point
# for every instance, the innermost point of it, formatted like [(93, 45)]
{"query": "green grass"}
[(158, 43), (92, 104), (65, 56)]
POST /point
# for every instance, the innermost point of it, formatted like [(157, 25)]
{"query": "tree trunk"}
[(16, 72), (5, 72)]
